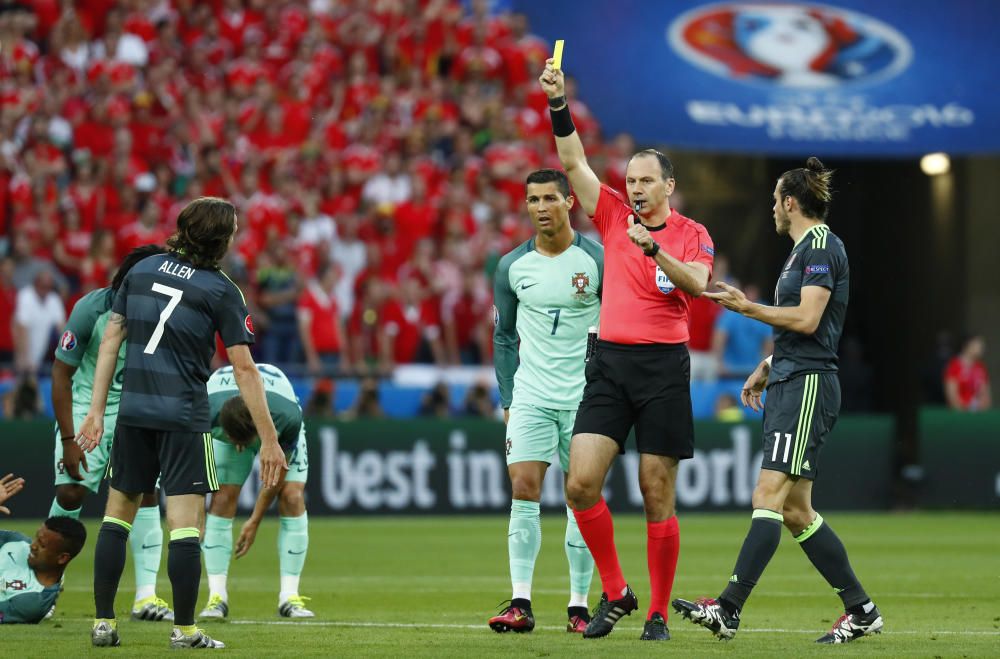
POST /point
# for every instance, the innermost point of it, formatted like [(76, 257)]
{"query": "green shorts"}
[(97, 460), (233, 467), (538, 433)]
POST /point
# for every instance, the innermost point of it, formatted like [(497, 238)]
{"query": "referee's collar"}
[(671, 219)]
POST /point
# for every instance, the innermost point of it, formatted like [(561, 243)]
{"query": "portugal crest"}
[(581, 281)]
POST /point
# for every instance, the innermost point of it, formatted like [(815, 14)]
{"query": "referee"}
[(639, 376), (803, 400)]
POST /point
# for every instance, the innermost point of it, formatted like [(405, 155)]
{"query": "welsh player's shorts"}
[(184, 460), (646, 386), (234, 466), (97, 460), (539, 434), (798, 415)]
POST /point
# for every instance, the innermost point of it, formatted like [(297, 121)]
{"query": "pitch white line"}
[(408, 625)]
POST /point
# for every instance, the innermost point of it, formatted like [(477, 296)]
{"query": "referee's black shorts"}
[(184, 461), (646, 386)]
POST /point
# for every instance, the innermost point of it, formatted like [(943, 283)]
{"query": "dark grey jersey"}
[(172, 312), (818, 259)]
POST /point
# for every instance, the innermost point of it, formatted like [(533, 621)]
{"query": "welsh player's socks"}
[(293, 542), (663, 545), (147, 541), (598, 529), (218, 547), (109, 563), (759, 546), (829, 556), (524, 539), (58, 511), (581, 563), (184, 570)]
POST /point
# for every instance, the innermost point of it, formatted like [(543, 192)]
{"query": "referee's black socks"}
[(829, 556), (759, 546), (184, 570), (109, 563)]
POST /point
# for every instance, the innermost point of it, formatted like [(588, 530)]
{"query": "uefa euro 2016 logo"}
[(796, 45)]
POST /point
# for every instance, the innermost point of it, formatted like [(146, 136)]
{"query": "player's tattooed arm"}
[(119, 320)]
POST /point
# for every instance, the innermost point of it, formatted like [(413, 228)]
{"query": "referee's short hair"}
[(811, 186), (556, 176), (666, 167)]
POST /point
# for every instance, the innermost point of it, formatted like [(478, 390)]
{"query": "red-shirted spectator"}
[(966, 383), (8, 303), (466, 320), (72, 244), (703, 313), (413, 323), (100, 262), (321, 326), (149, 229)]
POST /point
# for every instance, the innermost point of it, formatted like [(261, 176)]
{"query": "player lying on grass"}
[(31, 571), (236, 445)]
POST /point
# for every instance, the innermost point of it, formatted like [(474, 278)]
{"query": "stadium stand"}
[(376, 153)]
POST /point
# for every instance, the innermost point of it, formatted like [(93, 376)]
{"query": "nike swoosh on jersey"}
[(524, 286), (213, 546), (296, 553), (145, 546), (577, 546)]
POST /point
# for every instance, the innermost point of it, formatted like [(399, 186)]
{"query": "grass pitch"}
[(406, 587)]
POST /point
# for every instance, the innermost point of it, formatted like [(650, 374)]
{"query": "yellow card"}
[(557, 54)]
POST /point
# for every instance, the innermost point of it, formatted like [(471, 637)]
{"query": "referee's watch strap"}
[(652, 251)]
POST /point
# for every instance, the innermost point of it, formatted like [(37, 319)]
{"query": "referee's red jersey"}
[(640, 304)]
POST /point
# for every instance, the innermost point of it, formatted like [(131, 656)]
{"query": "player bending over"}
[(236, 445)]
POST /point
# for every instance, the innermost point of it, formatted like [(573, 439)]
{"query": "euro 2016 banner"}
[(845, 77)]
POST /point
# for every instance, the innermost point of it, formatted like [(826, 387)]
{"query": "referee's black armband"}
[(651, 252), (562, 122)]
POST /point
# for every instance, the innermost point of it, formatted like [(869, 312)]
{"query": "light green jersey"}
[(80, 344), (22, 598), (281, 401), (547, 304)]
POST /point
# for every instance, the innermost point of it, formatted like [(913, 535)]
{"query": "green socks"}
[(147, 542), (58, 511), (293, 543), (524, 539), (581, 563), (218, 548)]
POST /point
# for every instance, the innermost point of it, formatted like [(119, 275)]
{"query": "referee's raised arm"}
[(586, 185)]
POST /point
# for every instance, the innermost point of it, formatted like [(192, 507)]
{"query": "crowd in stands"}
[(375, 150)]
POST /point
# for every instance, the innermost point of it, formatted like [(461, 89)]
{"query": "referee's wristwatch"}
[(651, 252)]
